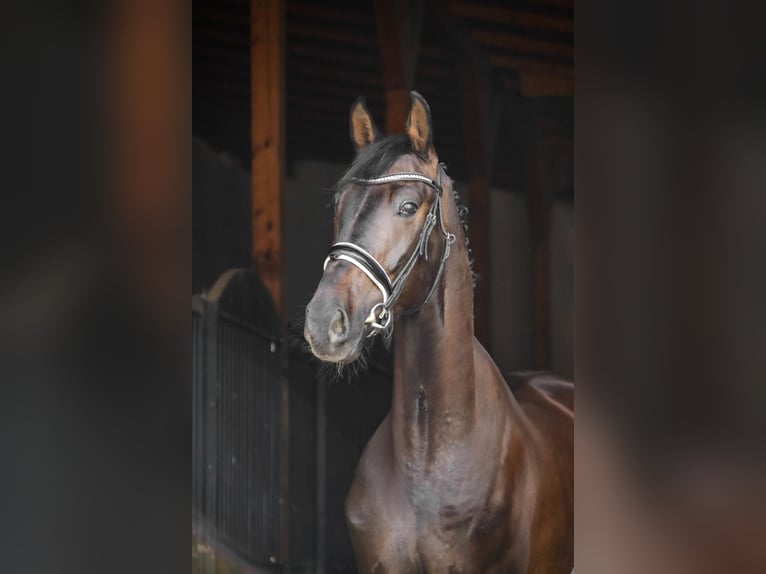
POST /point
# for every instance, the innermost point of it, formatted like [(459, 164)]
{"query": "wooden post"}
[(397, 109), (267, 82), (539, 209), (267, 64), (475, 95), (398, 24)]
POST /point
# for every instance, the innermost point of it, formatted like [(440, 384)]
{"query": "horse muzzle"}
[(330, 333)]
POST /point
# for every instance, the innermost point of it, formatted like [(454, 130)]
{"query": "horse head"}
[(391, 242)]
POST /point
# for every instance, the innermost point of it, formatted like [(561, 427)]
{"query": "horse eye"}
[(408, 208)]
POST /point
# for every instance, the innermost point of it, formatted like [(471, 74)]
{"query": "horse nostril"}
[(338, 327)]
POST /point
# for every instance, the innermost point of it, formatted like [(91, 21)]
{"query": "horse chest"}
[(408, 543), (400, 527)]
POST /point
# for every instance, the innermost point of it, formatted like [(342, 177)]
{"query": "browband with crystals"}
[(401, 176)]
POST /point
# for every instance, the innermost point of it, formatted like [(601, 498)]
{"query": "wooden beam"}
[(480, 108), (324, 34), (532, 46), (475, 99), (267, 60), (330, 90), (234, 17), (339, 74), (479, 114), (213, 85), (337, 107), (503, 15), (211, 65), (459, 44), (509, 62), (321, 53), (267, 20), (497, 106), (398, 25), (558, 3), (342, 59), (533, 84), (539, 205), (344, 94), (222, 54), (221, 37), (337, 15)]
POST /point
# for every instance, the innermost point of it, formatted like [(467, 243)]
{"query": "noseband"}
[(381, 315)]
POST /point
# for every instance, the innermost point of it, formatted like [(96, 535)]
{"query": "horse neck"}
[(434, 391)]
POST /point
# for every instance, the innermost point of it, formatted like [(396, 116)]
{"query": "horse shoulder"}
[(380, 519), (537, 475), (501, 530)]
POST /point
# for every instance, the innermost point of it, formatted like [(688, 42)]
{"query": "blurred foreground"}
[(670, 361)]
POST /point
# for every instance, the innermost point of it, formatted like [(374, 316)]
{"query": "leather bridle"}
[(381, 315)]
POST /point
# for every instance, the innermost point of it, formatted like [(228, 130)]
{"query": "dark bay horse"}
[(464, 474)]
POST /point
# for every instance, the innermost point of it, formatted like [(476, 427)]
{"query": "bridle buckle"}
[(378, 321)]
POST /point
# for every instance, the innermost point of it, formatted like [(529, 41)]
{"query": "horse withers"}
[(465, 474)]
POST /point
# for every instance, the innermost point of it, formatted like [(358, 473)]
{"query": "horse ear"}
[(419, 125), (363, 130)]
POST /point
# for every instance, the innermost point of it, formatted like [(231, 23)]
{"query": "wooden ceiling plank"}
[(328, 13), (505, 15), (546, 85), (507, 41), (460, 45), (557, 3), (331, 56), (215, 86), (508, 62), (221, 36), (339, 35), (337, 74), (308, 101), (346, 94), (221, 53), (221, 72), (318, 89), (204, 15)]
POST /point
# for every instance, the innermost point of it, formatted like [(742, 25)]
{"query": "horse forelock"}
[(374, 160)]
